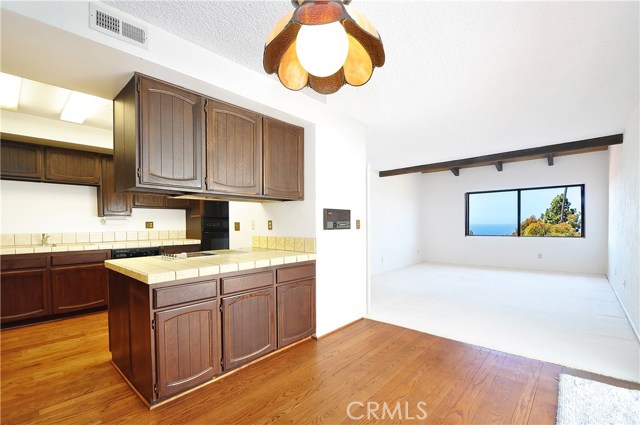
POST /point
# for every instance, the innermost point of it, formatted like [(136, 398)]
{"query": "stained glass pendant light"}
[(323, 44)]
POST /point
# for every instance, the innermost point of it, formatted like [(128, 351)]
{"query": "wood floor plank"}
[(60, 372)]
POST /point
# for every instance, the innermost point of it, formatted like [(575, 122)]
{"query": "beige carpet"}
[(585, 402), (572, 320)]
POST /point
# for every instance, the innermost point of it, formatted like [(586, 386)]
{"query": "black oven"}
[(215, 226)]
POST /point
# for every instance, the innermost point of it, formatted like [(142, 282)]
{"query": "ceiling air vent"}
[(116, 26)]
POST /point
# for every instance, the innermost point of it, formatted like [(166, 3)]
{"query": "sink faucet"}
[(45, 239)]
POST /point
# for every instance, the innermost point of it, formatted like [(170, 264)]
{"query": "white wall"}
[(443, 235), (340, 180), (395, 228), (623, 268), (29, 207)]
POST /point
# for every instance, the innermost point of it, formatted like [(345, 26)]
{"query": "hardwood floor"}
[(60, 372)]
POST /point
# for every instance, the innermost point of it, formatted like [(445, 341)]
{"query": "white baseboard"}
[(635, 331)]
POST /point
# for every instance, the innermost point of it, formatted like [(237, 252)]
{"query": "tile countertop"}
[(152, 270), (31, 249)]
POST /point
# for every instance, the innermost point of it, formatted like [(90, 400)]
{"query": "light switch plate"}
[(270, 225), (148, 224), (236, 225), (357, 224)]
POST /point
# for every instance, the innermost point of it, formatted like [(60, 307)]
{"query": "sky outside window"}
[(494, 213)]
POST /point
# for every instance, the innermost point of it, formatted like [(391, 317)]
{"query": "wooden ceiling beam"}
[(581, 146)]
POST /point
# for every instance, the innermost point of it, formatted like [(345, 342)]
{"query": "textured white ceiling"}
[(461, 78)]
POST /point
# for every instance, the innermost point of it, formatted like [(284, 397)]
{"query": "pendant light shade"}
[(324, 45)]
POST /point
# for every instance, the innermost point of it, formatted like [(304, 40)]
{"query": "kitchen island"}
[(176, 323)]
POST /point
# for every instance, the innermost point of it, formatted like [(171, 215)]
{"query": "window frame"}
[(519, 193)]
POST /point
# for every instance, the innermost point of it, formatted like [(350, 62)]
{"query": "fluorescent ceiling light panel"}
[(9, 91), (81, 105)]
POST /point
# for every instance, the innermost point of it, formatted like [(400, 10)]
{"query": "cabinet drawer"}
[(290, 274), (165, 297), (13, 262), (246, 282), (66, 259)]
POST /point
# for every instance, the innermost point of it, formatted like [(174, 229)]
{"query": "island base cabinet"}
[(296, 311), (248, 323), (187, 348)]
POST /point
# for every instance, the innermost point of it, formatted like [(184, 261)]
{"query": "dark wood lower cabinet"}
[(75, 288), (25, 295), (186, 347), (36, 287), (248, 327), (296, 311)]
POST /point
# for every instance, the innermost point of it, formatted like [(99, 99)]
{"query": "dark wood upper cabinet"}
[(283, 160), (148, 200), (21, 161), (110, 202), (69, 166), (234, 149), (158, 137), (187, 347), (248, 327), (177, 203)]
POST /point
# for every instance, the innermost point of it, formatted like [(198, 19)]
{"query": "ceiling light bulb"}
[(322, 49), (9, 91)]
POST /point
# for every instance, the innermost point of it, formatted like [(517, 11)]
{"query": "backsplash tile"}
[(163, 234), (82, 237), (23, 238), (132, 236), (289, 244), (68, 238), (143, 236), (108, 236), (95, 237), (299, 244), (282, 243), (9, 239), (121, 236)]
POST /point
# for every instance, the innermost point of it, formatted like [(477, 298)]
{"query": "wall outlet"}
[(148, 224), (270, 225), (540, 256), (357, 224), (236, 226)]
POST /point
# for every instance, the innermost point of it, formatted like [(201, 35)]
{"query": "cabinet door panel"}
[(21, 161), (79, 287), (25, 295), (110, 202), (67, 166), (177, 203), (248, 327), (170, 148), (234, 149), (187, 350), (296, 311), (283, 160)]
